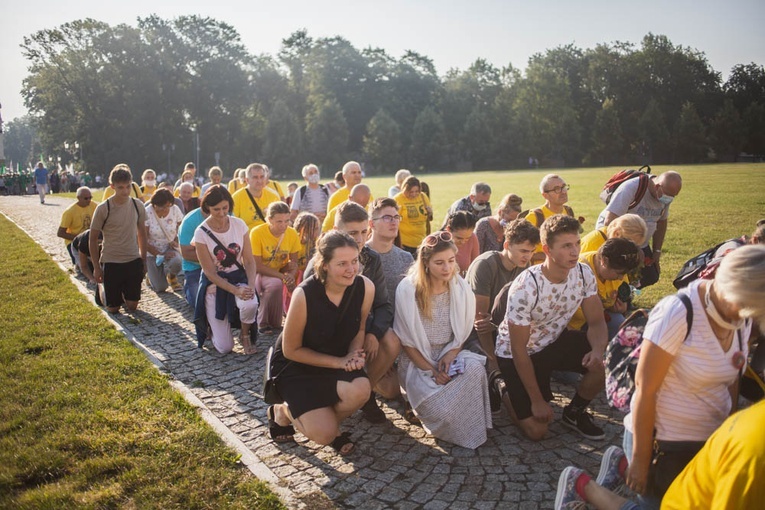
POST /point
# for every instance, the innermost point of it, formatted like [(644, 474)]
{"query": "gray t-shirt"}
[(649, 208), (120, 230), (395, 264), (486, 275)]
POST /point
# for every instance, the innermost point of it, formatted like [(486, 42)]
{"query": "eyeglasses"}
[(432, 239), (559, 189), (387, 218), (86, 198)]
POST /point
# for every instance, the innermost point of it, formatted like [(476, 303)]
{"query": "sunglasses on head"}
[(442, 235)]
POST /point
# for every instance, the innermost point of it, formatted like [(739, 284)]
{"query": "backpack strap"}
[(643, 180), (569, 211), (220, 245), (603, 235), (686, 300)]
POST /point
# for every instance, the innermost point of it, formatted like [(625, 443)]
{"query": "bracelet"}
[(657, 251)]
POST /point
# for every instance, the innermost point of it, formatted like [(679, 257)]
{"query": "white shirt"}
[(157, 237)]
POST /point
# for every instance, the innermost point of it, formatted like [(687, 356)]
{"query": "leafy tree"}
[(382, 142), (653, 134), (754, 124), (283, 141), (326, 132), (20, 139), (746, 85), (607, 139), (428, 140), (478, 137), (690, 137), (727, 132)]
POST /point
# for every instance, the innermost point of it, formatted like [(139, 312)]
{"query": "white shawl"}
[(407, 323)]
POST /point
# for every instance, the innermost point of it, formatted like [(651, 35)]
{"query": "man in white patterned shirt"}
[(533, 339)]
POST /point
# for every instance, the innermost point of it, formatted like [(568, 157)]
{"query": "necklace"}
[(218, 226)]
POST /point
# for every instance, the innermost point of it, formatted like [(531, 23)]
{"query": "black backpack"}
[(704, 265)]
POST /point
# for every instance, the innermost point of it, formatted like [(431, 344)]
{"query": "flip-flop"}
[(279, 433), (341, 441)]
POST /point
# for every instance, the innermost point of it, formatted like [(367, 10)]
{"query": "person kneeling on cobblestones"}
[(226, 295), (121, 264), (533, 339), (163, 218)]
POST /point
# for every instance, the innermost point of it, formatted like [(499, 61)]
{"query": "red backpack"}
[(623, 176)]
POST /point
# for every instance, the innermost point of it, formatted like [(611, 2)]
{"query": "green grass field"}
[(717, 202), (86, 421)]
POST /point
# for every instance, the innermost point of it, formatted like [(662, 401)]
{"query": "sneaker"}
[(583, 424), (372, 412), (567, 498), (612, 468), (495, 391)]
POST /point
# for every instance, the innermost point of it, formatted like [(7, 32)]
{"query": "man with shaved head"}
[(360, 194), (653, 207), (352, 175)]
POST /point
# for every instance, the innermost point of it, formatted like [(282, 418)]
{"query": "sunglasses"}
[(434, 238)]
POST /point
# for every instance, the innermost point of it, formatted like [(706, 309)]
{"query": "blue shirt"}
[(41, 176), (186, 234)]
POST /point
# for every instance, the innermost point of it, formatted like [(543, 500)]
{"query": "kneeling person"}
[(533, 339)]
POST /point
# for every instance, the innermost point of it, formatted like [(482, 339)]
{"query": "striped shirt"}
[(693, 399)]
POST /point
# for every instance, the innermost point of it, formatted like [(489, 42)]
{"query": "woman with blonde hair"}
[(444, 384), (148, 184), (629, 226), (490, 231)]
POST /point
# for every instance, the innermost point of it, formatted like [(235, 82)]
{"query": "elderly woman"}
[(188, 176), (415, 210), (275, 246), (163, 260), (400, 177), (490, 231), (319, 357), (445, 385), (186, 200), (216, 176), (686, 385), (226, 295), (239, 181)]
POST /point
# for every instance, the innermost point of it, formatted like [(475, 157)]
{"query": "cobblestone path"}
[(396, 465)]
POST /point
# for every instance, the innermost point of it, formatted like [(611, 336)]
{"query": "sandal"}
[(247, 345), (341, 442), (279, 433), (410, 416)]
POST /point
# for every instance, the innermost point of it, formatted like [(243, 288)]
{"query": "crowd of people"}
[(368, 302)]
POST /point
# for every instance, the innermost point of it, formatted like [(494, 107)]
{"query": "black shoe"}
[(495, 391), (372, 412), (583, 424)]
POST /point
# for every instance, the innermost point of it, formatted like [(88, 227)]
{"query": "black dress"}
[(307, 387)]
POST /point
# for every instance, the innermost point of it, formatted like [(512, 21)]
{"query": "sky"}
[(452, 33)]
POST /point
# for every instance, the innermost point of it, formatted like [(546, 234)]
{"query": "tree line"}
[(169, 91)]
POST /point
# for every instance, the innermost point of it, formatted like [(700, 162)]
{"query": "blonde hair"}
[(275, 208), (308, 228), (510, 202), (629, 226), (215, 171), (740, 280), (423, 291)]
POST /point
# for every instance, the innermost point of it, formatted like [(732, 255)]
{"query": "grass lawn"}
[(86, 420), (717, 202)]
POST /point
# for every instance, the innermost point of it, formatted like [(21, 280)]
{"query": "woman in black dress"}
[(319, 357)]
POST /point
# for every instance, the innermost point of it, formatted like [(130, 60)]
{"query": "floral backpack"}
[(623, 352)]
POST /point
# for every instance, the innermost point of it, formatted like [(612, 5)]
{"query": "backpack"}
[(623, 176), (304, 188), (539, 215), (623, 352), (109, 211), (704, 265)]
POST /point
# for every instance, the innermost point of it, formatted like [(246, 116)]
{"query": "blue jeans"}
[(191, 286), (643, 502)]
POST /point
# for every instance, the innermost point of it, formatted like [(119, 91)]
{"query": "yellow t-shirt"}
[(195, 194), (414, 218), (136, 192), (338, 197), (276, 187), (244, 209), (147, 192), (532, 218), (594, 240), (303, 257), (266, 246), (77, 219), (329, 220), (728, 472), (607, 290), (235, 185)]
